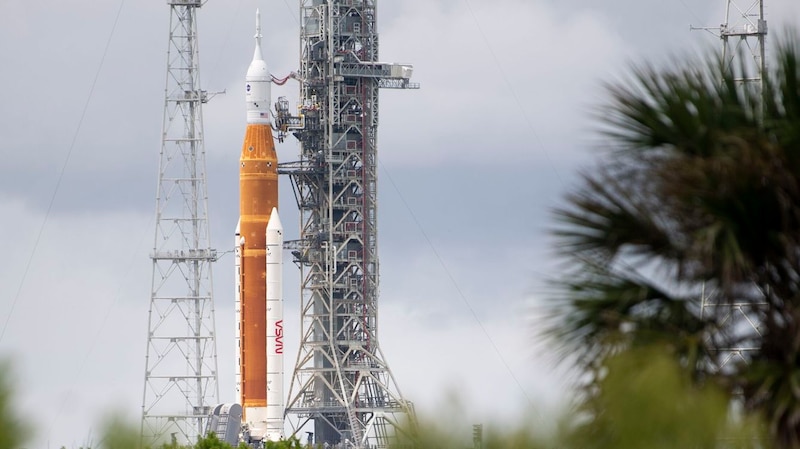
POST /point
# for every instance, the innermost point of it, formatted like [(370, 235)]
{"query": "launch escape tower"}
[(743, 35), (180, 380), (341, 381)]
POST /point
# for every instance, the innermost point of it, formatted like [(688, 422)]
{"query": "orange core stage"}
[(258, 194)]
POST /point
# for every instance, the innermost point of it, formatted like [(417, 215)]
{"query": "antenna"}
[(180, 379)]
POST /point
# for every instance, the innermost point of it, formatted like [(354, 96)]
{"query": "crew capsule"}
[(257, 83)]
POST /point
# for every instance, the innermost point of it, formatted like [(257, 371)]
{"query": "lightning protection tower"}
[(180, 380), (341, 384), (743, 35)]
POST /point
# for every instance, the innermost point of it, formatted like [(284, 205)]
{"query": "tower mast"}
[(743, 34), (341, 385), (180, 380)]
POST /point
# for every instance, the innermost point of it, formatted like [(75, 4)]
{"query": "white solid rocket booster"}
[(237, 304), (275, 405)]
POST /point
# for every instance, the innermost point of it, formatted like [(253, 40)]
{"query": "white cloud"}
[(501, 82), (76, 332), (494, 367)]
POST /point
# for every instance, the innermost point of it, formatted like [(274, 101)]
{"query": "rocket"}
[(275, 405), (258, 264)]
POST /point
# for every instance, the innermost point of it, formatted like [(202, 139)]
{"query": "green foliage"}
[(291, 443), (118, 435), (12, 430), (645, 399), (699, 197), (446, 429), (211, 442)]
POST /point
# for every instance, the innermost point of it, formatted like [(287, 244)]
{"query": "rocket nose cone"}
[(258, 71), (274, 221)]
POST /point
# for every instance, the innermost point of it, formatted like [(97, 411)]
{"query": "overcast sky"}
[(471, 165)]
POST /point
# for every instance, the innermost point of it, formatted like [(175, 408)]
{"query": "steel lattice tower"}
[(180, 381), (743, 36), (341, 381)]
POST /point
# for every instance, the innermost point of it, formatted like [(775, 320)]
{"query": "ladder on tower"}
[(355, 426)]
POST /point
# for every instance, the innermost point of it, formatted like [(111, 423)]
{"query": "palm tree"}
[(699, 193)]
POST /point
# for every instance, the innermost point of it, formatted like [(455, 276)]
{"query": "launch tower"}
[(180, 380), (341, 381)]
